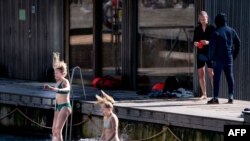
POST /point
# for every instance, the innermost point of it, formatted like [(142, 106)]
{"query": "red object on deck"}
[(95, 81), (158, 86), (107, 82)]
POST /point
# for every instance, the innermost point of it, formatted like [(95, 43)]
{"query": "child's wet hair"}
[(107, 104), (59, 65), (105, 100)]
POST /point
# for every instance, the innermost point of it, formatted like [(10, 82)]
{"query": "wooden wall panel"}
[(26, 46)]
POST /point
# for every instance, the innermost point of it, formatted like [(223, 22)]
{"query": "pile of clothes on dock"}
[(179, 93), (169, 89)]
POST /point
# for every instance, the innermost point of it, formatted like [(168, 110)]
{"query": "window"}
[(165, 30)]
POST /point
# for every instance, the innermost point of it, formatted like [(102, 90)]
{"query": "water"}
[(23, 138), (5, 137), (90, 139)]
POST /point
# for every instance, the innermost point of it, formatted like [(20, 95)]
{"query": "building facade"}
[(141, 41)]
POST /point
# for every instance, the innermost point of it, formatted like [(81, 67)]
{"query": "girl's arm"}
[(65, 89), (47, 87), (195, 37)]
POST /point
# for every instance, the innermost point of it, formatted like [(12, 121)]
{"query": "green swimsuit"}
[(63, 92), (60, 106)]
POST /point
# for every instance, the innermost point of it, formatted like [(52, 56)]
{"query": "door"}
[(30, 31)]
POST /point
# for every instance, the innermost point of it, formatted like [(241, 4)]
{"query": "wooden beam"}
[(129, 43)]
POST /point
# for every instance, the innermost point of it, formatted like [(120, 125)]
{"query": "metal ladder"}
[(72, 101)]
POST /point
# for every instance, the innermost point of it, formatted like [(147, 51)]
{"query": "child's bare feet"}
[(203, 97)]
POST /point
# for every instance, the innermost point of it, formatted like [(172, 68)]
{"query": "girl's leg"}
[(202, 80), (61, 119), (54, 125)]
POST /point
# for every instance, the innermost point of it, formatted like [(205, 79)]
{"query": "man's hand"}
[(204, 42)]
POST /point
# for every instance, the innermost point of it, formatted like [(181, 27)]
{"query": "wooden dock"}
[(189, 113)]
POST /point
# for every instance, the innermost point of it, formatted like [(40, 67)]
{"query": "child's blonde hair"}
[(203, 13), (106, 100), (59, 65)]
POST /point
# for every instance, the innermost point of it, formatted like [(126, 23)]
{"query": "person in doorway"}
[(110, 120), (224, 46), (62, 89), (202, 35)]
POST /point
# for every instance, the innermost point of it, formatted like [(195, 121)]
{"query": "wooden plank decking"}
[(190, 113)]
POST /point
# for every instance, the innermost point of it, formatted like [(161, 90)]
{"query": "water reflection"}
[(165, 30)]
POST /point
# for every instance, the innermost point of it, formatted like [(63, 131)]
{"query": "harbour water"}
[(6, 137)]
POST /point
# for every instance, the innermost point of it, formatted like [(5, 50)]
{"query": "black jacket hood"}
[(220, 20)]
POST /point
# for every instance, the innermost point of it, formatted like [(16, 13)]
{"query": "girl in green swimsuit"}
[(110, 120), (62, 90)]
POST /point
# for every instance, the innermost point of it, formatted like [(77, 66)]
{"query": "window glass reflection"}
[(165, 30)]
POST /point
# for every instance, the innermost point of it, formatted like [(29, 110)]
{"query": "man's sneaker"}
[(213, 101), (247, 109), (230, 101)]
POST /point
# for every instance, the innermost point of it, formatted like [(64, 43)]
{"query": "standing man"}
[(225, 46), (202, 35)]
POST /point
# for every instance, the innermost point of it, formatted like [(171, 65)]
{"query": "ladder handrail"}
[(71, 97), (72, 76)]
